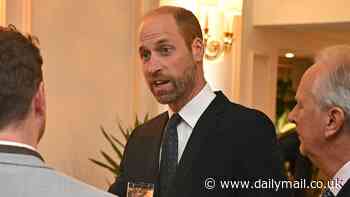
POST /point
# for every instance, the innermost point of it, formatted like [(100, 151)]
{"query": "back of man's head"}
[(20, 74)]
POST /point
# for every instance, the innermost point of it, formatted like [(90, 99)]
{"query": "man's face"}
[(168, 65), (308, 116)]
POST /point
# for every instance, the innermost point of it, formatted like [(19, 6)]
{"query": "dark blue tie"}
[(327, 193), (169, 156)]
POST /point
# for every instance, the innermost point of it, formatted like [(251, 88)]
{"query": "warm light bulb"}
[(289, 55)]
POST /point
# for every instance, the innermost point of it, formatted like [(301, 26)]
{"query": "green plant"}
[(282, 124), (118, 147), (285, 103), (285, 96)]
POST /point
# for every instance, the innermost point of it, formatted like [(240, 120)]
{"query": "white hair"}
[(333, 87)]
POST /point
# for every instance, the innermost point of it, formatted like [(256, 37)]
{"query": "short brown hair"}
[(186, 21), (20, 74)]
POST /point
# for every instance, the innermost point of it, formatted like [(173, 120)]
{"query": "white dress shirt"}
[(190, 115), (340, 177), (12, 143)]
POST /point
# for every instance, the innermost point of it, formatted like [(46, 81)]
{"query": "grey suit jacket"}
[(23, 173)]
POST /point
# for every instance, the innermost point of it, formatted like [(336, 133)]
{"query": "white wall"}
[(277, 12), (257, 50), (86, 45), (221, 72)]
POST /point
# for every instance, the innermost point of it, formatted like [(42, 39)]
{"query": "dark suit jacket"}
[(229, 142), (345, 190)]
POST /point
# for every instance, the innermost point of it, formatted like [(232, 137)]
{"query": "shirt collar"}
[(340, 178), (18, 144), (193, 110)]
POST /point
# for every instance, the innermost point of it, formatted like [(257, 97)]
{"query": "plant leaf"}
[(99, 163), (109, 159), (137, 122), (115, 148), (146, 118), (117, 141), (128, 132), (123, 131)]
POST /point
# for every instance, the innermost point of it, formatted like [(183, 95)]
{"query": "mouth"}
[(159, 83), (161, 87)]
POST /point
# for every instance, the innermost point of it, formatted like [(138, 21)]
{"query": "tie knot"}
[(174, 121)]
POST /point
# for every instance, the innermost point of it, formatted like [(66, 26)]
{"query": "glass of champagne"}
[(140, 189)]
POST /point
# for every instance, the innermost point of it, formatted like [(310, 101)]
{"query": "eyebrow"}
[(159, 42), (162, 41)]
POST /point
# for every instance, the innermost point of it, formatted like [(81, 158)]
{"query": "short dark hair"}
[(20, 74), (187, 23)]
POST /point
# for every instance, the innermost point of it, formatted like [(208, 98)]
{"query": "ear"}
[(197, 49), (335, 121), (39, 102)]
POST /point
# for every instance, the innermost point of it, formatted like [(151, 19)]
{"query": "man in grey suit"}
[(22, 124)]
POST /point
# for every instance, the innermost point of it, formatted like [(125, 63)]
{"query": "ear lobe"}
[(39, 100), (197, 49), (335, 121)]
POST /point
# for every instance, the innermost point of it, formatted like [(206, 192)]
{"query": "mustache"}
[(160, 77)]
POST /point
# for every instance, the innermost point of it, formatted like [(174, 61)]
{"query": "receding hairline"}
[(186, 22), (164, 10), (169, 10)]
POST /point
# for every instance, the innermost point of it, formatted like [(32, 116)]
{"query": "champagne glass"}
[(140, 189)]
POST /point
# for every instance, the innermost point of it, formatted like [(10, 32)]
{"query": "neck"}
[(177, 105), (331, 160), (19, 134)]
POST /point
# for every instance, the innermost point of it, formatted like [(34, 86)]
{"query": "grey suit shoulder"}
[(26, 175)]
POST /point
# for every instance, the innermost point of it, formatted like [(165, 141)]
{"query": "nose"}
[(153, 69), (152, 66)]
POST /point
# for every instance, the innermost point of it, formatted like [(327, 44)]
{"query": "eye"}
[(165, 50), (145, 55)]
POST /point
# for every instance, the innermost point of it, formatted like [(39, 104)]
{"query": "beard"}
[(179, 86)]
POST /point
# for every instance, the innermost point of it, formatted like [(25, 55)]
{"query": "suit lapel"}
[(206, 124), (154, 133), (159, 130)]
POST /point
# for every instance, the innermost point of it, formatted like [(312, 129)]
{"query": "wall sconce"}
[(215, 45)]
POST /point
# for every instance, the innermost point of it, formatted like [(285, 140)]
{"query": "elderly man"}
[(322, 117), (22, 124), (208, 139)]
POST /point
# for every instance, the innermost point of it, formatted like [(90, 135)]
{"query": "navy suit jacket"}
[(345, 190), (229, 142)]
